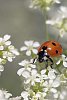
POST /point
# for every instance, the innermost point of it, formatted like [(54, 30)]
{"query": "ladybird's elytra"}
[(53, 48)]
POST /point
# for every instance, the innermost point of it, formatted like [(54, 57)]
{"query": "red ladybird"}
[(53, 48), (48, 50)]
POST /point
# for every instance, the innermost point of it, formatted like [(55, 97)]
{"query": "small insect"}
[(48, 50)]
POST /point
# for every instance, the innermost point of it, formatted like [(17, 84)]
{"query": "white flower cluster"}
[(60, 21), (39, 83), (4, 95), (43, 4), (7, 51)]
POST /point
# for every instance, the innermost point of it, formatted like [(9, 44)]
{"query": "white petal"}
[(23, 48), (36, 44), (24, 62), (26, 74), (27, 81), (47, 8), (63, 57), (56, 95), (45, 89), (20, 71), (65, 64), (61, 97), (63, 9), (28, 43), (56, 82), (51, 75), (24, 94), (6, 37), (51, 22), (1, 68), (10, 59), (44, 94), (34, 72), (57, 1), (33, 66), (45, 84), (43, 71), (35, 51), (8, 43), (8, 95), (53, 90), (37, 80), (58, 62), (50, 82), (28, 53), (14, 51), (38, 95), (1, 39), (32, 83), (1, 47), (15, 98)]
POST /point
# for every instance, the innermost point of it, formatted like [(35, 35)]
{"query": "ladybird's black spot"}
[(54, 43), (56, 51), (44, 47)]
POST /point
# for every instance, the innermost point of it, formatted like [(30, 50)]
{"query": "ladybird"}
[(48, 50)]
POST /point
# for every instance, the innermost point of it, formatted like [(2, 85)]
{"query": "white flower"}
[(8, 51), (27, 66), (4, 95), (51, 85), (64, 59), (30, 47), (25, 95), (33, 77)]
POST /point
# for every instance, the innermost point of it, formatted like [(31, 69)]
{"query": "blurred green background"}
[(22, 23)]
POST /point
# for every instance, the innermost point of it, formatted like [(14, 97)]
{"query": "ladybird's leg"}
[(47, 63), (50, 60), (34, 60), (40, 60)]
